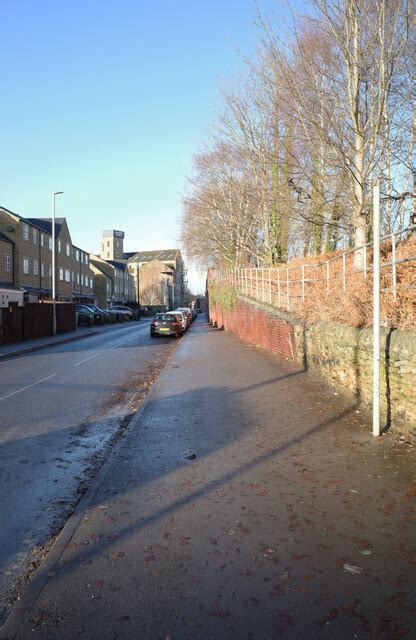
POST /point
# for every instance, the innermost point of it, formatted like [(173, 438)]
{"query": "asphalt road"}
[(60, 410)]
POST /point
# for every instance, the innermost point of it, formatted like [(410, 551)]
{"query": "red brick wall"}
[(257, 326)]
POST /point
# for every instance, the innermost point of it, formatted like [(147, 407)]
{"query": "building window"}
[(68, 249), (42, 269), (86, 258), (108, 254), (7, 262), (50, 273), (61, 274), (59, 246), (25, 231), (67, 275), (26, 266), (35, 236), (77, 255), (91, 283), (108, 287), (35, 267), (50, 243), (41, 239), (108, 243), (73, 277), (77, 278)]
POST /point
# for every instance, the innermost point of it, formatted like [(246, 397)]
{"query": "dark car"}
[(166, 324), (84, 315), (99, 315)]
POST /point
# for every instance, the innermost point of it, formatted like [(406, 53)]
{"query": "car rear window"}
[(166, 317)]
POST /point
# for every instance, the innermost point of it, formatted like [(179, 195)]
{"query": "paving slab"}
[(249, 500)]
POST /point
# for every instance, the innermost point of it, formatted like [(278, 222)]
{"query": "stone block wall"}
[(341, 354)]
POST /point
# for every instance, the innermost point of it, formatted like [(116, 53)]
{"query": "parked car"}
[(99, 315), (187, 312), (121, 311), (84, 316), (166, 324), (183, 317)]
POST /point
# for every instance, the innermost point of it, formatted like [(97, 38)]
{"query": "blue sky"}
[(108, 100)]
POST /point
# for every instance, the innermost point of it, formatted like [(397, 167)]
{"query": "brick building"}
[(113, 284), (159, 276), (30, 241)]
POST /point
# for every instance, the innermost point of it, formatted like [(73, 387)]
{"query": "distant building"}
[(112, 245), (159, 276), (113, 284), (168, 263)]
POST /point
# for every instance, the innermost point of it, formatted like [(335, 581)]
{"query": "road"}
[(60, 411)]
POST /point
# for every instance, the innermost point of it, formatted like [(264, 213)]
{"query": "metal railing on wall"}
[(285, 287)]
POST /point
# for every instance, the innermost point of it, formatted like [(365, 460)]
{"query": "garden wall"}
[(340, 353)]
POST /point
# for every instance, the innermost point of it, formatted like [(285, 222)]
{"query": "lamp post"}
[(55, 193)]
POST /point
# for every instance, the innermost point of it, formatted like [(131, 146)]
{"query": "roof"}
[(118, 265), (46, 224), (162, 255), (10, 287), (40, 223)]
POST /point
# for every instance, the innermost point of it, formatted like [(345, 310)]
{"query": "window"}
[(73, 277), (77, 278), (108, 287), (59, 246), (42, 269), (82, 280), (68, 249), (108, 254), (26, 266), (67, 275), (77, 255), (35, 267), (35, 236), (7, 262), (91, 283), (108, 243), (61, 274), (117, 244), (25, 231), (42, 239), (50, 243), (86, 258), (50, 272)]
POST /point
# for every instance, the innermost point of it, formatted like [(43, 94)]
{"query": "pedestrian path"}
[(247, 501)]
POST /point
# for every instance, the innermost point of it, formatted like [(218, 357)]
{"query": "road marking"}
[(86, 359), (28, 387)]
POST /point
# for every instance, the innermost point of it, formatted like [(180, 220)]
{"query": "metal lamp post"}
[(55, 193)]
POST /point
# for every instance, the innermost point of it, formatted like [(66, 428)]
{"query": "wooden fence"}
[(34, 320)]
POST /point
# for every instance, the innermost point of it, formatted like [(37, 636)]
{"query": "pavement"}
[(246, 500)]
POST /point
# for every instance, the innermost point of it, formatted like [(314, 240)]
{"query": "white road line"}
[(86, 359), (27, 387)]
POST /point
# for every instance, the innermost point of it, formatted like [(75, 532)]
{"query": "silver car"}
[(182, 316)]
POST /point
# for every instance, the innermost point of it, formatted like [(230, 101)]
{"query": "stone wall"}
[(342, 354)]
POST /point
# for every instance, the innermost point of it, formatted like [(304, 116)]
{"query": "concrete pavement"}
[(247, 501)]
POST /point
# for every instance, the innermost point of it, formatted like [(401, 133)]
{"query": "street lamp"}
[(55, 193)]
